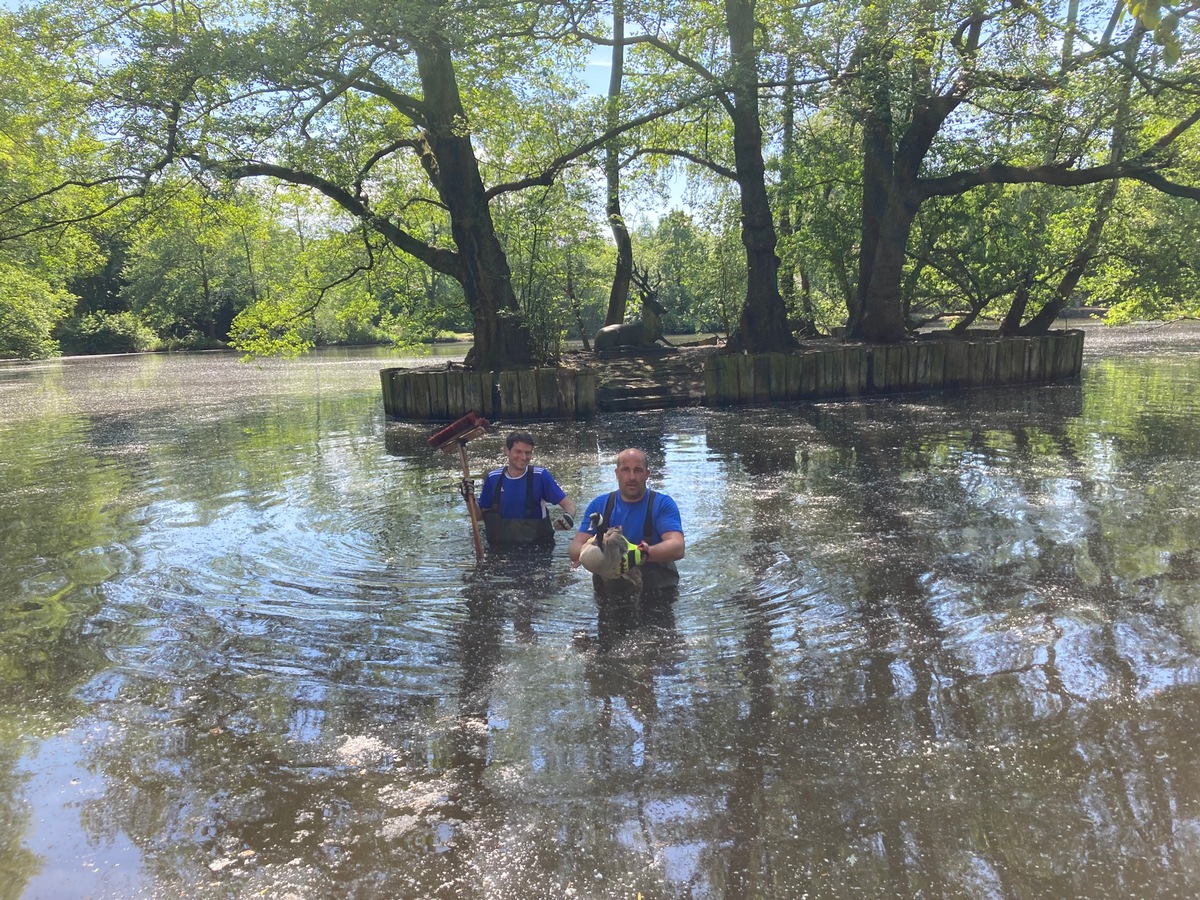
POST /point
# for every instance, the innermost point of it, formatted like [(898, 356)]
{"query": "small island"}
[(585, 384)]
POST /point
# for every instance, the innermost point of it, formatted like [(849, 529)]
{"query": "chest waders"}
[(532, 529), (655, 576)]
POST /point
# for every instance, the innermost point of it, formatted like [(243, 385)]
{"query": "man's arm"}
[(577, 542), (485, 493), (567, 519), (552, 489), (669, 549)]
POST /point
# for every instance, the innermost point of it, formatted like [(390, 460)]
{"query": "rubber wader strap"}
[(533, 529), (529, 511), (648, 528)]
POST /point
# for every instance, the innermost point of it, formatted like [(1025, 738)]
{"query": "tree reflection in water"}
[(927, 646)]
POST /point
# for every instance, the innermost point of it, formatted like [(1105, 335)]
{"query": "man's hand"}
[(565, 522), (635, 555), (466, 487)]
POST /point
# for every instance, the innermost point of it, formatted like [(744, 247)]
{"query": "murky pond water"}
[(934, 646)]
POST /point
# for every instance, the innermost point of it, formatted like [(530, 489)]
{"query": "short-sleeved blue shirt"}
[(513, 496), (632, 517)]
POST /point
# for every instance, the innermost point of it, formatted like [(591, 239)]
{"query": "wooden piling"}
[(930, 364), (840, 370)]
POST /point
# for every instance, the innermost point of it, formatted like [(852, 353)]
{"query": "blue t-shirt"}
[(513, 496), (632, 517)]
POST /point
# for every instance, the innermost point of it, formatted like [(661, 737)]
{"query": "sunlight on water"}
[(247, 648)]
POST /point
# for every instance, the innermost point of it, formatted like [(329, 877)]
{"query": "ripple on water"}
[(271, 588), (302, 655)]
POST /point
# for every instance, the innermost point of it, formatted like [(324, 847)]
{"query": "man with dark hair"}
[(648, 519), (514, 498)]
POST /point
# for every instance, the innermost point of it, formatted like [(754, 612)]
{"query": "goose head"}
[(597, 525)]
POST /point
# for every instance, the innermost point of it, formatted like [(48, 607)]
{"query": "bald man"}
[(647, 518)]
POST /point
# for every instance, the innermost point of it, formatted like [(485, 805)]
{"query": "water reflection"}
[(928, 646)]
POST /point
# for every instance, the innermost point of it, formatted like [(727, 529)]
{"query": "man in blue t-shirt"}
[(514, 498), (649, 519)]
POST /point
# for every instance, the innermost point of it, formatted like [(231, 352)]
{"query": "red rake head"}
[(469, 426)]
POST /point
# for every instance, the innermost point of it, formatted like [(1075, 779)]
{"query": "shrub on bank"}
[(30, 309), (103, 332)]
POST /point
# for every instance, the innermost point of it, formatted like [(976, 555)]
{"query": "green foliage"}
[(1148, 267), (191, 263), (701, 272), (103, 332), (321, 281), (548, 235), (1040, 96), (971, 254), (824, 196), (273, 327), (42, 134), (1163, 25), (277, 269), (30, 309)]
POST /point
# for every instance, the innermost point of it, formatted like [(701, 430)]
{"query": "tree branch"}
[(445, 261), (410, 106), (548, 174), (379, 155), (341, 84), (1159, 183), (715, 167), (655, 42), (72, 220), (1140, 167)]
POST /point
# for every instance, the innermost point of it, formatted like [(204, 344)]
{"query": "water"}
[(925, 646)]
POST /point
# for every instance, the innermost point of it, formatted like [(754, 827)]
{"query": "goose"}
[(604, 554)]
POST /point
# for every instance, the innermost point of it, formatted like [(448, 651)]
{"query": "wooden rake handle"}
[(458, 433)]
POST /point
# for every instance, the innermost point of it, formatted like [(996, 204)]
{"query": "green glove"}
[(635, 555)]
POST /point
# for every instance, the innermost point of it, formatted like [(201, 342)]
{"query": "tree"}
[(354, 101), (619, 295), (43, 129), (921, 77), (687, 59), (763, 323), (331, 97)]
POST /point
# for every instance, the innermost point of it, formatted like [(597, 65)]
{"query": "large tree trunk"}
[(891, 180), (800, 307), (501, 336), (1011, 323), (1086, 251), (618, 297), (880, 307), (877, 314), (763, 325)]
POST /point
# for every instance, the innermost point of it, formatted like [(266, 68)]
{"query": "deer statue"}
[(641, 333)]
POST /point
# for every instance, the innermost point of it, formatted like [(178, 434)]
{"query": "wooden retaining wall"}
[(930, 364), (937, 363), (515, 395)]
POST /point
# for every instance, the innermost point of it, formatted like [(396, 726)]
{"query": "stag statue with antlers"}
[(640, 333)]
